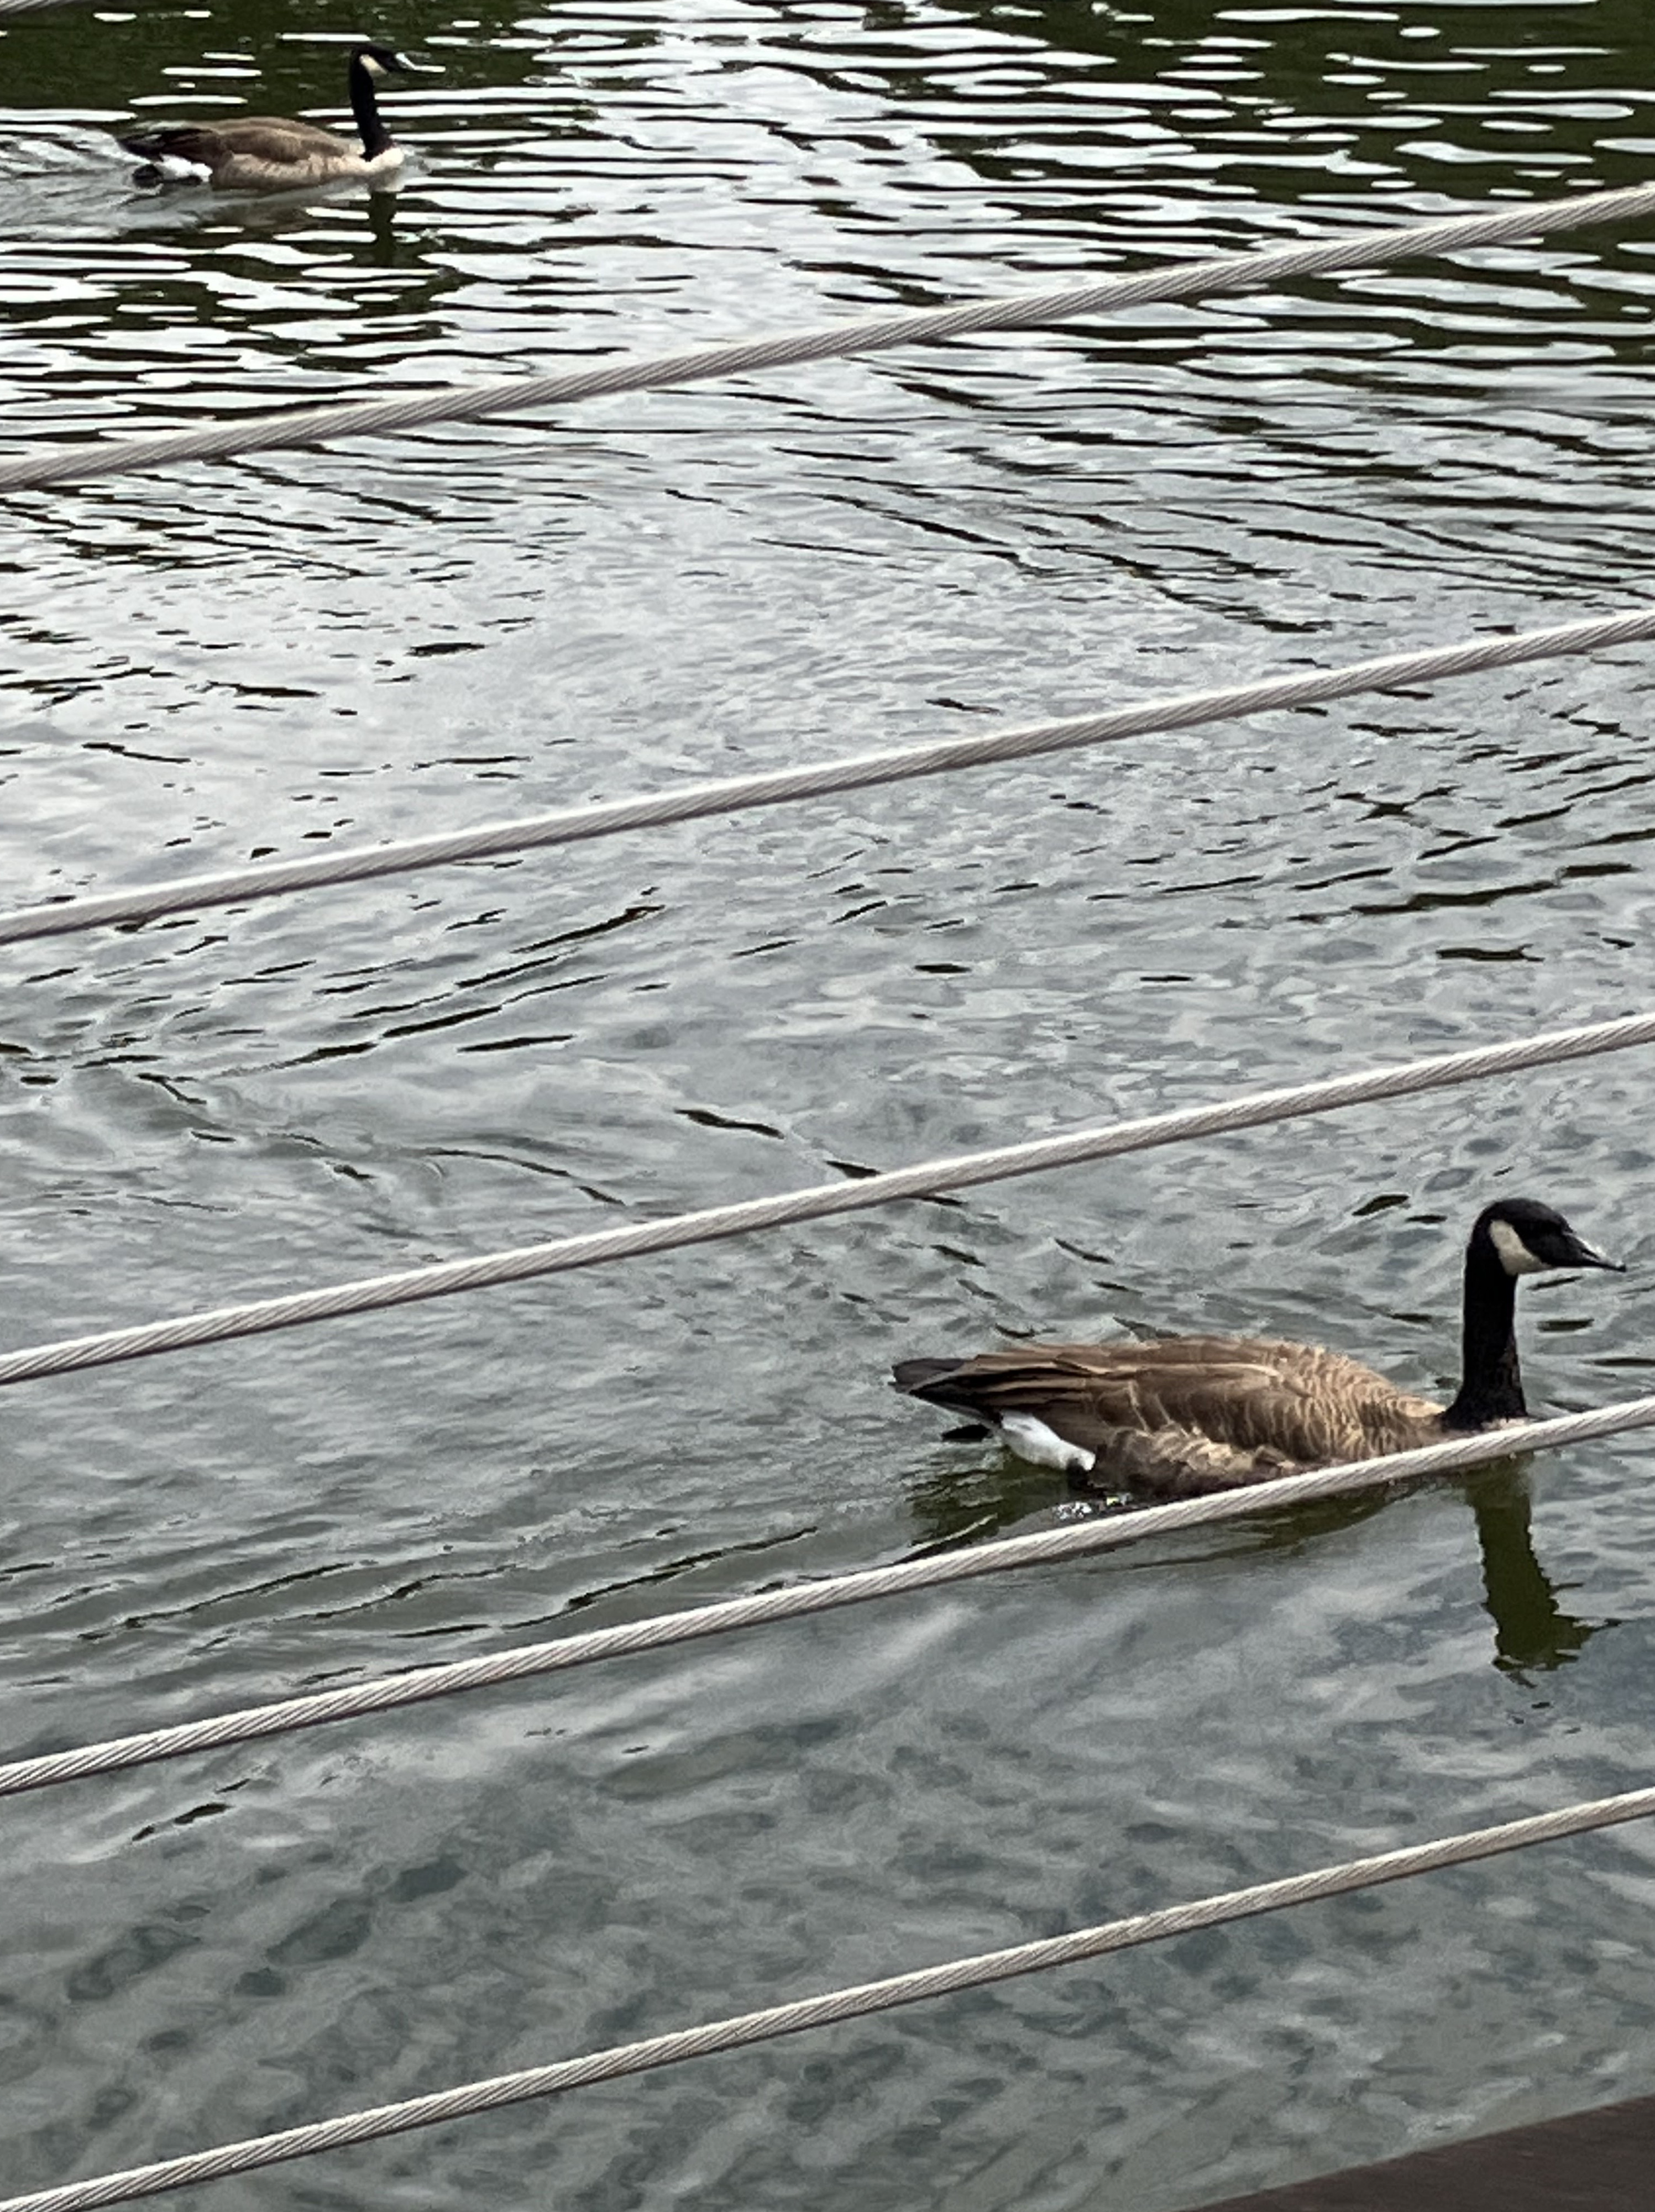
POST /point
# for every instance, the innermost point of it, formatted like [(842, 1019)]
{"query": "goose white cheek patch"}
[(1514, 1255)]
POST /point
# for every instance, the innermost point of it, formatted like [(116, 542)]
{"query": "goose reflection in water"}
[(1533, 1633)]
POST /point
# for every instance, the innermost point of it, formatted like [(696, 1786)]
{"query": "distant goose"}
[(264, 153), (1188, 1414)]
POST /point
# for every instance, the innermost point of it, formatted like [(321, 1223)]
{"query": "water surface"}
[(396, 638)]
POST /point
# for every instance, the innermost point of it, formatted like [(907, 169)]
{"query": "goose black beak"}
[(1582, 1255)]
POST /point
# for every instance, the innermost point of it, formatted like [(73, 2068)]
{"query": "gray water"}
[(389, 639)]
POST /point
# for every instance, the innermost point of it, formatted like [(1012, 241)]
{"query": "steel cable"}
[(734, 794), (832, 2006), (1048, 1547), (819, 1202), (1216, 274)]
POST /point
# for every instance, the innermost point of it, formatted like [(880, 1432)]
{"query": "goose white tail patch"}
[(1514, 1255), (1031, 1440), (177, 171)]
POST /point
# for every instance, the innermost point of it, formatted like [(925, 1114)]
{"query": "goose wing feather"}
[(275, 138), (1178, 1462), (1219, 1405), (269, 140)]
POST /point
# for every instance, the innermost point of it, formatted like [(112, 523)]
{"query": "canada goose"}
[(266, 153), (1188, 1414)]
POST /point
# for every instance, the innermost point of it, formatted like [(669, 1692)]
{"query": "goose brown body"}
[(1189, 1414), (261, 152)]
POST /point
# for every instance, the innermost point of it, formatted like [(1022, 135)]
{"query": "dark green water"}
[(381, 641)]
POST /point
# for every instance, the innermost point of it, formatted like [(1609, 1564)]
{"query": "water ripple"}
[(381, 641)]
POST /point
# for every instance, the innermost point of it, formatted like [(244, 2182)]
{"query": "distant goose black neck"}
[(1491, 1382), (365, 106)]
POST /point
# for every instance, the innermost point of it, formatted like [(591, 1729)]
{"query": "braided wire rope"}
[(833, 2006), (1047, 1547), (734, 794), (816, 1202), (1219, 274)]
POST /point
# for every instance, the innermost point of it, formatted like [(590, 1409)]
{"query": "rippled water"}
[(385, 640)]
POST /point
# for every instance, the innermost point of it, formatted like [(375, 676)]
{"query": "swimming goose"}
[(265, 153), (1188, 1414)]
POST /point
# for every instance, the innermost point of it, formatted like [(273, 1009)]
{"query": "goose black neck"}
[(1491, 1382), (365, 106)]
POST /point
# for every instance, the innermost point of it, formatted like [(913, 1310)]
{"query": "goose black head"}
[(377, 59), (1528, 1239)]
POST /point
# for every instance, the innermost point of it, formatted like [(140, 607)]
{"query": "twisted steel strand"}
[(733, 795), (818, 1201), (833, 2006), (388, 1693), (1216, 274)]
